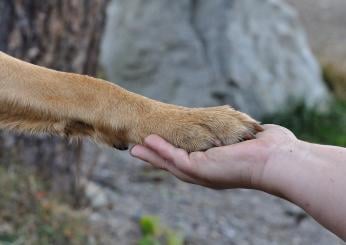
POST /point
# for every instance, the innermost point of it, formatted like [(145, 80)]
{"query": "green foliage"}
[(174, 238), (149, 240), (150, 225), (313, 126), (29, 215), (156, 234)]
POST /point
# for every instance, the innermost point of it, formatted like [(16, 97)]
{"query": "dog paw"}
[(201, 129)]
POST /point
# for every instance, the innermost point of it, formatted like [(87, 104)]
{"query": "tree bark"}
[(63, 35)]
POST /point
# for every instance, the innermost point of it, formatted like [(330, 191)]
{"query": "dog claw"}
[(121, 147)]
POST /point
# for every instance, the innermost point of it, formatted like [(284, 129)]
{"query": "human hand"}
[(241, 165), (309, 175)]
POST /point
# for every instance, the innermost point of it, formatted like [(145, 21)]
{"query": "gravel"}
[(204, 216)]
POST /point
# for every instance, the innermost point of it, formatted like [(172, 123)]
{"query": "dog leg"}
[(37, 100)]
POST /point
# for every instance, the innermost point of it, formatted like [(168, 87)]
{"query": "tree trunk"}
[(63, 35)]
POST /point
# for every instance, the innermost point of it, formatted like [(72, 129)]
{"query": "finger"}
[(275, 130), (148, 155), (266, 127), (229, 151), (167, 151), (269, 126), (188, 164)]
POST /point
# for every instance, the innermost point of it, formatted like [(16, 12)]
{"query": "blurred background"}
[(282, 62)]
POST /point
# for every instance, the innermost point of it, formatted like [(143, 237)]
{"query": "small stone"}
[(96, 195)]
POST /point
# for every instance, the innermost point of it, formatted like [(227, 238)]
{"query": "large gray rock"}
[(250, 54)]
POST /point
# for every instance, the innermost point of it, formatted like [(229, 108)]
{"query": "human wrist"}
[(284, 167)]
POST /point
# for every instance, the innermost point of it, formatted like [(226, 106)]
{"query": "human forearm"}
[(313, 177)]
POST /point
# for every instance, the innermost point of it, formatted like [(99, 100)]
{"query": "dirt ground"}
[(325, 23)]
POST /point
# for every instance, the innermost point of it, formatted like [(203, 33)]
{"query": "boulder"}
[(250, 54)]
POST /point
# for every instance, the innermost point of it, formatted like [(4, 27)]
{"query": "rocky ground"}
[(123, 189)]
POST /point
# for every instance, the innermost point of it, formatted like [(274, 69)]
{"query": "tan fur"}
[(39, 100)]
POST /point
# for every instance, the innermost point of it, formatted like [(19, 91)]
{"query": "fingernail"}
[(133, 151)]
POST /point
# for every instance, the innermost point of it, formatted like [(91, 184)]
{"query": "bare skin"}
[(309, 175)]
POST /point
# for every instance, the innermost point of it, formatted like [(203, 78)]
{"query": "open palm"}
[(240, 165)]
